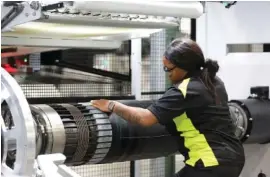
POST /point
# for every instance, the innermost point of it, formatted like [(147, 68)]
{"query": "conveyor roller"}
[(85, 134), (91, 136), (252, 117)]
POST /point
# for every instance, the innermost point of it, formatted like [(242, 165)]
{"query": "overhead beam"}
[(97, 21), (59, 43), (171, 9), (125, 36)]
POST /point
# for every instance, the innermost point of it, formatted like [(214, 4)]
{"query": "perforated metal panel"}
[(61, 81), (153, 167), (75, 90), (121, 169), (34, 61), (111, 62), (154, 81)]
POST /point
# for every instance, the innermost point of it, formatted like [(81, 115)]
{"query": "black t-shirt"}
[(203, 129)]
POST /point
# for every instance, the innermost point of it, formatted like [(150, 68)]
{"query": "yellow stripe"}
[(183, 87), (193, 139)]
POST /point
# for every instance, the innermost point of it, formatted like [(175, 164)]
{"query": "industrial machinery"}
[(251, 116), (86, 135), (80, 132), (30, 131), (126, 20), (44, 139)]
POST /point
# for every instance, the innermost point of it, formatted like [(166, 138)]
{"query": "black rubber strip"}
[(100, 128), (71, 131), (60, 100), (93, 136), (83, 132)]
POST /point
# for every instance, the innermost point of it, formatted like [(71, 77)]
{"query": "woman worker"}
[(194, 109)]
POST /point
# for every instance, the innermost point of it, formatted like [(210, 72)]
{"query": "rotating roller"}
[(252, 118), (84, 134), (134, 142)]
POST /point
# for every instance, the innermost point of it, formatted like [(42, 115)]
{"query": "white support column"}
[(136, 67), (136, 70)]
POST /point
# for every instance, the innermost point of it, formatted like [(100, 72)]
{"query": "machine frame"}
[(16, 13), (33, 11)]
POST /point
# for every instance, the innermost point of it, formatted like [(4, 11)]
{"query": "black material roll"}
[(71, 131), (85, 134), (257, 115), (133, 142), (92, 136)]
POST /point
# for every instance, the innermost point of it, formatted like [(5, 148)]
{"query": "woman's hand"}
[(102, 104), (132, 114)]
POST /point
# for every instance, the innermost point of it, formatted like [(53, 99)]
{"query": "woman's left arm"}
[(137, 115)]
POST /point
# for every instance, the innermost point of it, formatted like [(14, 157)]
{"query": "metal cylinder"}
[(72, 129), (84, 134), (134, 142), (252, 117)]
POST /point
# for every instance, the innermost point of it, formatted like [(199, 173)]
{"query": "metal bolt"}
[(34, 5), (26, 14), (34, 13)]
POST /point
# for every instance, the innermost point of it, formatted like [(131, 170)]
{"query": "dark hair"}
[(187, 55), (208, 75)]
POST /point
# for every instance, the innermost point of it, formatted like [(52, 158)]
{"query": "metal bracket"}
[(52, 165), (19, 13)]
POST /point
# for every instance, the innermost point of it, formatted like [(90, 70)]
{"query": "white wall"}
[(249, 23), (245, 22), (242, 70)]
